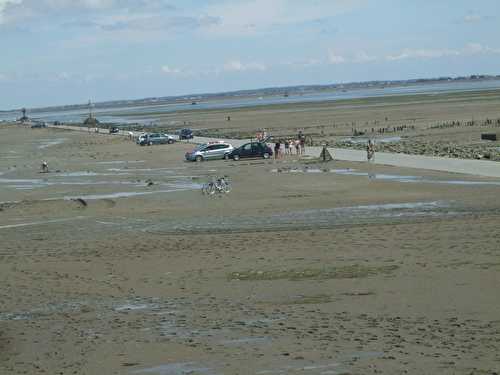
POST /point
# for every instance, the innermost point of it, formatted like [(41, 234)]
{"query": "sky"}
[(56, 52)]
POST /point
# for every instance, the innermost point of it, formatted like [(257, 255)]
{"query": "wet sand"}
[(336, 268)]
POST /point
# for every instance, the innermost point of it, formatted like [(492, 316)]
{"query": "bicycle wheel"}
[(226, 186), (211, 188)]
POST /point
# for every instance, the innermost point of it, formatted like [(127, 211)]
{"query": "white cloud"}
[(3, 6), (333, 58), (64, 76), (476, 48), (260, 16), (422, 53), (363, 57), (468, 50), (307, 63), (13, 11), (169, 70), (77, 12), (238, 66), (472, 18)]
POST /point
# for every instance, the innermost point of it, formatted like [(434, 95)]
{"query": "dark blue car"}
[(252, 150), (186, 134)]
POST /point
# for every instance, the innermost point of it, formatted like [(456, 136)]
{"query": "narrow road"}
[(483, 168)]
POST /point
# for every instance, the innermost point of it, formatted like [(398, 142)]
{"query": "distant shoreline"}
[(285, 91)]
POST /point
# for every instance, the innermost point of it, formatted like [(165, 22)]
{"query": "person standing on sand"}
[(287, 147), (370, 150), (277, 150), (297, 146)]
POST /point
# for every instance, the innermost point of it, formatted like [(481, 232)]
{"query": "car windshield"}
[(200, 147)]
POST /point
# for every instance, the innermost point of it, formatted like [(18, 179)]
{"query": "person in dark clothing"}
[(277, 146)]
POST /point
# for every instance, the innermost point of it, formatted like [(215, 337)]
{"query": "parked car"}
[(114, 130), (141, 138), (186, 134), (156, 139), (252, 150), (207, 151), (38, 125)]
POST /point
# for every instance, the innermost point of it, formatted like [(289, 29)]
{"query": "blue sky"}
[(66, 51)]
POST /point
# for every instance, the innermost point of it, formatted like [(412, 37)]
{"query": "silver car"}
[(212, 150)]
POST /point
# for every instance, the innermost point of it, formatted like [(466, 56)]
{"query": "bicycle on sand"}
[(219, 185)]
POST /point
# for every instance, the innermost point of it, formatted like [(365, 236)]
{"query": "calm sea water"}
[(148, 113)]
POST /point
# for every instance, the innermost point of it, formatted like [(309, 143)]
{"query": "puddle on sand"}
[(46, 309), (365, 140), (412, 179), (364, 355), (171, 172), (25, 184), (465, 183), (305, 367), (247, 341), (176, 369), (44, 143), (41, 222), (121, 162), (183, 183), (321, 217), (136, 306), (128, 194), (387, 177), (21, 181), (87, 174), (322, 368)]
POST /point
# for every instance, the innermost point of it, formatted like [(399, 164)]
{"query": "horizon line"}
[(282, 88)]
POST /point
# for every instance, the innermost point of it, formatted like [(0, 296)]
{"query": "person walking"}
[(277, 150), (370, 151)]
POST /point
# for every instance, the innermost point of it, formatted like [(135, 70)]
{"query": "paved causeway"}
[(483, 168)]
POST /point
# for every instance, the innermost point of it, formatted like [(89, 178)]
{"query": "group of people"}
[(283, 147), (288, 147)]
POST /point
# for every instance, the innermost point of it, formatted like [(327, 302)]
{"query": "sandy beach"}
[(115, 263)]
